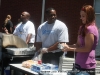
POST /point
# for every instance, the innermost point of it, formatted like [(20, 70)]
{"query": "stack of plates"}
[(66, 63), (21, 51)]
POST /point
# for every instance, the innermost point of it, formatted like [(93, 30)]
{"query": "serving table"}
[(11, 59)]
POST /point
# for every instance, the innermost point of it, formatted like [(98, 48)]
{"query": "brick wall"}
[(16, 7), (67, 11)]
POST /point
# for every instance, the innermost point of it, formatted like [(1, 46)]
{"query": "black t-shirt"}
[(8, 25)]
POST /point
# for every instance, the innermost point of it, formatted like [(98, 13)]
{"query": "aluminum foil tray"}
[(21, 51)]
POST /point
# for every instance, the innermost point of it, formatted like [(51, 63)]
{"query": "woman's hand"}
[(65, 47)]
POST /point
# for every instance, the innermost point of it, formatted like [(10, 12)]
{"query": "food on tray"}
[(28, 63)]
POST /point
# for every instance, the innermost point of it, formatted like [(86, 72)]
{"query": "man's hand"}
[(60, 46), (44, 50)]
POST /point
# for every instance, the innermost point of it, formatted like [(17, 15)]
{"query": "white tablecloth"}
[(44, 72)]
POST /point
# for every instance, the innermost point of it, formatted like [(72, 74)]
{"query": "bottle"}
[(40, 58)]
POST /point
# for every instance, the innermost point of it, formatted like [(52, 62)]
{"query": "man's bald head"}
[(25, 16)]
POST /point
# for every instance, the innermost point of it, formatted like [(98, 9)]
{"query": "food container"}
[(21, 51)]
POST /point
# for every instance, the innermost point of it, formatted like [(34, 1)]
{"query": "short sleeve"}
[(38, 39), (10, 23), (91, 29), (63, 33), (31, 28)]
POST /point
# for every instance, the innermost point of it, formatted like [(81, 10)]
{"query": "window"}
[(97, 14)]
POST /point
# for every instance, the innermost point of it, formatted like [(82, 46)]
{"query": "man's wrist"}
[(60, 46), (44, 49), (47, 50)]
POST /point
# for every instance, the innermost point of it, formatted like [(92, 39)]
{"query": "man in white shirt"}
[(49, 35), (25, 29)]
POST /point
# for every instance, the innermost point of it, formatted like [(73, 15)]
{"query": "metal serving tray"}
[(21, 51)]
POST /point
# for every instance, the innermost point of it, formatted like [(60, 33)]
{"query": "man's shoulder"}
[(44, 23), (19, 24), (29, 22), (58, 22)]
